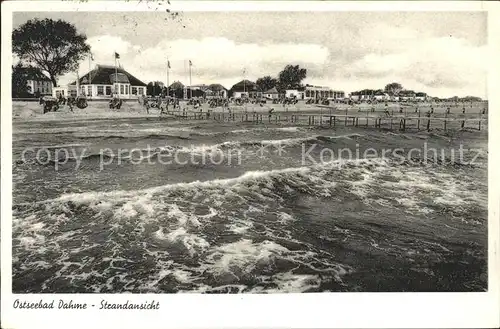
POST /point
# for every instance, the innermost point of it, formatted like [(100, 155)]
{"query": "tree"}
[(266, 83), (393, 88), (154, 88), (19, 81), (20, 77), (55, 47), (291, 77)]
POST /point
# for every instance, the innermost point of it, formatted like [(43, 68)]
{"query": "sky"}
[(440, 53)]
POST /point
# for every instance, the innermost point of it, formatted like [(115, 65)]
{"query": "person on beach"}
[(145, 103), (70, 102), (270, 112)]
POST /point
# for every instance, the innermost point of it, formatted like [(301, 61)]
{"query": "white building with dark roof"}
[(37, 83), (320, 92), (105, 82), (271, 93)]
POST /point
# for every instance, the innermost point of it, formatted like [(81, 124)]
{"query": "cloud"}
[(214, 59), (370, 57), (104, 46), (434, 63)]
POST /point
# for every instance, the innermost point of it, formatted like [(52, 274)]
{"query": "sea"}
[(149, 205)]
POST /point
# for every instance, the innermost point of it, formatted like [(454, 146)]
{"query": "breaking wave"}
[(225, 235)]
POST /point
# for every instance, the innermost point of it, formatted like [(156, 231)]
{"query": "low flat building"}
[(271, 93), (38, 84), (319, 92), (421, 97), (106, 82), (295, 93), (216, 90), (381, 96), (406, 96), (359, 96), (245, 88)]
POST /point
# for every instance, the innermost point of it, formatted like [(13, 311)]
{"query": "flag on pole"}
[(117, 56), (168, 64), (190, 63), (91, 56)]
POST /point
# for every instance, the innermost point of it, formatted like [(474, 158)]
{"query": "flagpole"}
[(168, 67), (185, 95), (244, 86), (190, 86), (77, 83), (90, 65), (117, 91)]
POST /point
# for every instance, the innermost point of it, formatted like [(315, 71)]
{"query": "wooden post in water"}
[(445, 117), (429, 124)]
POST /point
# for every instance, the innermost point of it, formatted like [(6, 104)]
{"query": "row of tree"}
[(392, 89), (290, 77)]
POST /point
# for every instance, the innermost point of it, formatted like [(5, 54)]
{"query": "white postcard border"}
[(321, 310)]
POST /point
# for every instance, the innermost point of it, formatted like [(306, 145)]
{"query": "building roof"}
[(244, 85), (176, 85), (107, 74), (273, 90), (406, 93), (311, 87), (216, 87)]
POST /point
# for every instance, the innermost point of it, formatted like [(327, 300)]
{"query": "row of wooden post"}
[(313, 119)]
